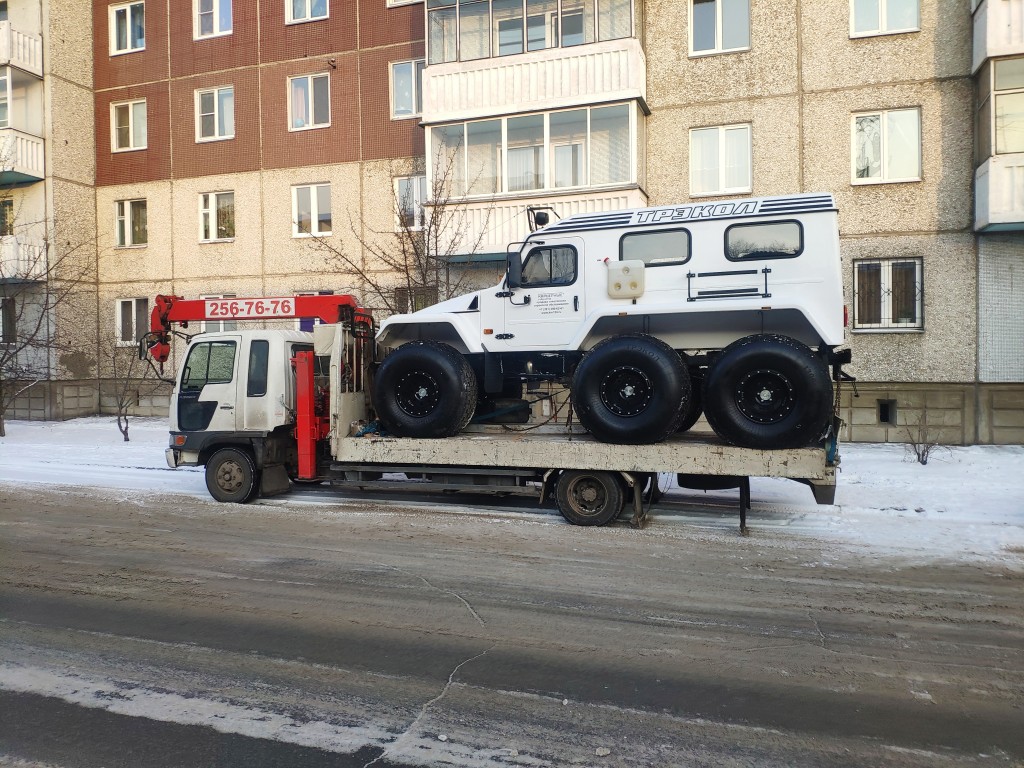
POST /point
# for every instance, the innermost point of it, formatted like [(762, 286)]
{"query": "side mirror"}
[(515, 270)]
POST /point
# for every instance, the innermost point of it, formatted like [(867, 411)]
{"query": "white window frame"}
[(398, 3), (417, 88), (310, 105), (880, 29), (216, 326), (118, 326), (123, 218), (197, 35), (884, 179), (290, 19), (721, 189), (216, 113), (112, 24), (888, 324), (211, 211), (420, 194), (131, 125), (718, 33), (314, 210)]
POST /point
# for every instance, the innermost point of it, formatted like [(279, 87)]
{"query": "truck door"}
[(546, 311), (207, 391)]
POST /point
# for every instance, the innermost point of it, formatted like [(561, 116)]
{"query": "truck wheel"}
[(425, 389), (768, 392), (589, 497), (631, 390), (231, 476), (694, 406)]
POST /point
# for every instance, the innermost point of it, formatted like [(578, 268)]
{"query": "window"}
[(311, 210), (132, 320), (571, 148), (414, 298), (213, 18), (881, 17), (209, 362), (999, 117), (719, 26), (410, 195), (130, 223), (127, 28), (307, 323), (128, 120), (216, 216), (5, 97), (550, 266), (406, 88), (887, 146), (3, 10), (305, 10), (888, 294), (259, 368), (770, 240), (215, 114), (656, 249), (212, 326), (8, 320), (309, 102), (720, 160), (6, 217)]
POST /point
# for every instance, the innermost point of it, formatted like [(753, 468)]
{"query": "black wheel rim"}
[(588, 496), (417, 393), (765, 396), (626, 391), (230, 476)]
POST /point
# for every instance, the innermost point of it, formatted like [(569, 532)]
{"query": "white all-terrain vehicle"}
[(650, 316)]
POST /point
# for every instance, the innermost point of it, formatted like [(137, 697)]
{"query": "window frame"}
[(196, 25), (721, 189), (290, 19), (211, 210), (418, 65), (112, 27), (550, 283), (314, 210), (880, 31), (8, 320), (125, 217), (665, 231), (719, 33), (119, 326), (754, 224), (312, 126), (7, 217), (885, 296), (131, 125), (216, 90), (419, 199), (883, 179)]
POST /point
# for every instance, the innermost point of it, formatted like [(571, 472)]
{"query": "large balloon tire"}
[(694, 406), (631, 390), (768, 392), (425, 389)]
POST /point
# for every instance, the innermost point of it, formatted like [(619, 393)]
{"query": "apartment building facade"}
[(234, 137)]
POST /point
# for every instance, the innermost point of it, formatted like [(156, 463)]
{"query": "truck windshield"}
[(209, 362)]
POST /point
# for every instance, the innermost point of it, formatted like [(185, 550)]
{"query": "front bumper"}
[(177, 458)]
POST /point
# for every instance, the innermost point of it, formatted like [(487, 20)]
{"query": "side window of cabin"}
[(259, 366), (770, 240), (211, 362), (550, 266), (656, 249)]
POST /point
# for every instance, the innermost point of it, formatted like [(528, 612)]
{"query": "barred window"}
[(888, 294)]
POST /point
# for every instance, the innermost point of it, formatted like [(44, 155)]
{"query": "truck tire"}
[(425, 389), (589, 497), (768, 392), (631, 390), (694, 406), (231, 476)]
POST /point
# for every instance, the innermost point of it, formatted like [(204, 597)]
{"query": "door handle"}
[(575, 303), (227, 407)]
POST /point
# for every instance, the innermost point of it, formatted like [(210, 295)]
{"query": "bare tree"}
[(130, 379), (44, 278), (410, 266)]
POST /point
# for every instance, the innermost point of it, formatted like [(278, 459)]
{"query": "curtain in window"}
[(525, 153), (323, 208), (737, 158), (138, 223), (609, 145), (300, 102), (903, 152), (568, 133), (303, 209), (868, 147), (225, 15), (704, 161), (484, 152), (138, 25), (4, 100), (139, 124), (226, 215), (226, 115), (319, 9)]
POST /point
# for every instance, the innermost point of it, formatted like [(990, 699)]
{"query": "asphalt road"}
[(147, 632)]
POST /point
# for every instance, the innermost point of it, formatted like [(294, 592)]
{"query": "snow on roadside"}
[(966, 504)]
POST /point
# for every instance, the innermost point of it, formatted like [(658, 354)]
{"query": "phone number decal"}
[(249, 309)]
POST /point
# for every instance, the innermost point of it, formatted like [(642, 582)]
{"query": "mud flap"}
[(274, 480)]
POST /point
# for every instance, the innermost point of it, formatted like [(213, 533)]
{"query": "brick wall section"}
[(310, 39), (380, 26), (210, 54), (382, 136), (148, 164), (142, 66)]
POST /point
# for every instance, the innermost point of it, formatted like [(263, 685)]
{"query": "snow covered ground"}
[(966, 504)]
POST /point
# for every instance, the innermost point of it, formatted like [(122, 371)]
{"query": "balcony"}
[(505, 221), (614, 70), (999, 194), (21, 50), (21, 158), (998, 30), (20, 260)]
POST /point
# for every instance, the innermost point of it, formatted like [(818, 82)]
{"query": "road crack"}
[(423, 710), (817, 628), (443, 591)]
